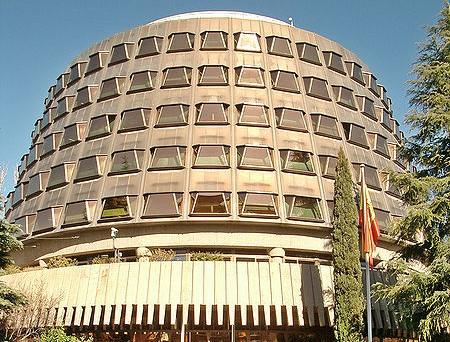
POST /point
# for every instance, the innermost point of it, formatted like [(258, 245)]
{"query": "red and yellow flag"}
[(367, 222)]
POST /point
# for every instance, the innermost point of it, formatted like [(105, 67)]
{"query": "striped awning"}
[(203, 294)]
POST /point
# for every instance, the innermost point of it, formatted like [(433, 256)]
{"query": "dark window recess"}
[(371, 83), (366, 106), (172, 115), (212, 113), (253, 157), (252, 115), (257, 204), (303, 208), (101, 126), (383, 219), (97, 61), (73, 134), (64, 106), (76, 72), (379, 144), (279, 46), (296, 161), (168, 157), (135, 119), (34, 154), (51, 143), (316, 87), (385, 118), (142, 81), (177, 77), (213, 75), (111, 88), (325, 125), (344, 96), (163, 205), (290, 119), (85, 96), (150, 46), (308, 53), (61, 83), (37, 183), (90, 167), (116, 207), (355, 134), (48, 117), (284, 81), (183, 41), (214, 40), (334, 61), (79, 212), (247, 41), (127, 161), (249, 76), (328, 166), (371, 175), (210, 203), (121, 53), (211, 156), (355, 72), (47, 219), (60, 175)]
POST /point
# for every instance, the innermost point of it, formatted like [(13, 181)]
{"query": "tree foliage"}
[(59, 335), (349, 299), (422, 292)]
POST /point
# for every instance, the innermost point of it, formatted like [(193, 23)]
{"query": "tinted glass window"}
[(328, 165), (355, 134), (120, 53), (296, 161), (257, 204), (305, 208), (249, 76), (334, 61), (150, 46), (79, 212), (59, 175), (134, 119), (325, 125), (127, 161), (212, 113), (163, 205), (64, 105), (366, 106), (49, 144), (101, 126), (279, 46), (85, 96), (141, 81), (172, 115), (47, 118), (247, 42), (73, 134), (96, 61), (114, 207), (213, 75), (181, 42), (177, 77), (252, 114), (290, 118), (316, 87), (47, 219), (308, 52), (210, 203), (211, 156), (344, 96), (355, 71), (168, 157), (88, 168), (255, 157), (284, 80), (214, 40), (111, 88), (76, 72)]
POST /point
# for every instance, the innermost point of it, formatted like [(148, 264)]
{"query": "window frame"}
[(280, 113), (56, 138), (138, 155), (371, 83), (316, 127), (349, 132), (102, 57), (69, 168), (301, 54), (330, 58), (240, 107), (187, 76), (351, 67), (89, 206), (111, 119), (270, 42), (68, 105), (152, 76), (374, 142), (91, 93), (113, 60), (184, 111), (76, 72), (286, 160), (362, 105), (328, 163), (47, 117), (119, 88), (34, 157), (180, 156), (238, 77), (290, 201), (224, 74), (130, 208), (338, 96), (242, 151), (196, 151), (203, 38), (280, 73), (308, 82), (199, 108), (42, 178), (55, 217), (243, 201), (61, 83), (81, 131), (226, 198), (100, 163), (158, 43), (369, 183), (144, 114), (237, 37), (177, 198), (190, 39)]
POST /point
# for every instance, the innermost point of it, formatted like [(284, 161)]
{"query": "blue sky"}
[(40, 39)]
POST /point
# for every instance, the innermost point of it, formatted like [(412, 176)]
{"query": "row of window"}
[(217, 40), (160, 205)]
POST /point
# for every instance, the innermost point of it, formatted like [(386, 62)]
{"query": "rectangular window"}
[(34, 154), (177, 77), (366, 106), (325, 125), (383, 219), (61, 83), (37, 183), (371, 83), (76, 72), (389, 186), (60, 175), (290, 119), (150, 46), (214, 40), (211, 156), (385, 118), (51, 143), (36, 130), (371, 175), (127, 161), (90, 167), (134, 119), (383, 94), (79, 213), (249, 76), (247, 41), (73, 134), (379, 144), (85, 96), (142, 81), (316, 87), (257, 204), (213, 75), (111, 88), (308, 53), (284, 81), (26, 224), (163, 205), (355, 134), (19, 193), (47, 219), (211, 114), (210, 203), (334, 61), (101, 126), (48, 117), (296, 161), (328, 166), (117, 207), (168, 157), (303, 208), (172, 115), (355, 72), (344, 96), (97, 61), (64, 106), (252, 115), (121, 53), (279, 46), (183, 41), (253, 157), (23, 164)]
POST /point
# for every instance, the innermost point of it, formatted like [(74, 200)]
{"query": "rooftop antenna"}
[(291, 21)]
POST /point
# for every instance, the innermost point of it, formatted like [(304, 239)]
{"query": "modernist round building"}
[(211, 131)]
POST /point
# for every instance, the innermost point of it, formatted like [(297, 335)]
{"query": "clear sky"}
[(40, 39)]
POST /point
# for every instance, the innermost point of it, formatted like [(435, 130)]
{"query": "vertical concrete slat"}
[(209, 289), (132, 285), (141, 296), (100, 297), (91, 292)]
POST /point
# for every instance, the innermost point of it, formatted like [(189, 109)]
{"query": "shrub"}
[(159, 254), (60, 261), (59, 335), (103, 259), (207, 256)]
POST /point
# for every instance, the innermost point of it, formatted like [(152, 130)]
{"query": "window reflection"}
[(257, 204), (168, 157), (210, 203), (214, 40)]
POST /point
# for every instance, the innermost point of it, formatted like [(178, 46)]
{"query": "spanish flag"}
[(369, 226)]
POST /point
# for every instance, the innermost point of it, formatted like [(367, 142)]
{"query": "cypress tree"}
[(349, 301)]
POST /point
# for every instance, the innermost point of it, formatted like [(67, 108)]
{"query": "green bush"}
[(207, 256), (59, 335), (159, 254), (60, 261), (103, 259)]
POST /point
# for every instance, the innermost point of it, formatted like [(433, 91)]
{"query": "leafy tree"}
[(59, 335), (207, 256), (61, 261), (421, 292), (349, 299)]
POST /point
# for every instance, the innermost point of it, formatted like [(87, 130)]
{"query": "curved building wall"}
[(214, 130)]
